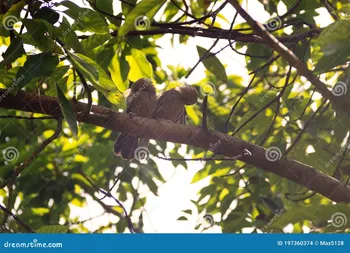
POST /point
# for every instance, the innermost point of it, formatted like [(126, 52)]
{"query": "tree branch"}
[(229, 146), (289, 56), (19, 221)]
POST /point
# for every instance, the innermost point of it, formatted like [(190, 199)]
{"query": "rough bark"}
[(229, 146)]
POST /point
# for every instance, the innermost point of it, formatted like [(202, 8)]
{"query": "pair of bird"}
[(142, 101)]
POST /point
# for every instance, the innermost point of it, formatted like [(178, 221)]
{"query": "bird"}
[(171, 104), (142, 102)]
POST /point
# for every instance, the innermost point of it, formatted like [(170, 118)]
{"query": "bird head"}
[(189, 94), (143, 84)]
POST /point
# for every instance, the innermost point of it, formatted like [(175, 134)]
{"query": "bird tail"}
[(144, 142), (125, 146)]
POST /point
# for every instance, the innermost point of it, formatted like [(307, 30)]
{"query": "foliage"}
[(51, 41)]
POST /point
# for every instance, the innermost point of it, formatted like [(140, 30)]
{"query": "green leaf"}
[(12, 15), (7, 77), (14, 51), (254, 63), (140, 67), (182, 218), (98, 77), (47, 14), (36, 66), (87, 66), (86, 20), (127, 6), (67, 111), (105, 5), (54, 229), (36, 35), (95, 40), (3, 30), (201, 174), (68, 36), (333, 42), (145, 8), (188, 211), (213, 64), (118, 68), (316, 214)]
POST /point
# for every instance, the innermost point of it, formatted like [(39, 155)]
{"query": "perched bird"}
[(142, 102), (171, 104)]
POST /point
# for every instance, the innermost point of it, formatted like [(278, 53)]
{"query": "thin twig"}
[(108, 194), (246, 152), (237, 102), (19, 221), (27, 118), (34, 155)]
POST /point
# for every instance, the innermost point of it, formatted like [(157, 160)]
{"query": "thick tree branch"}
[(216, 33), (228, 146)]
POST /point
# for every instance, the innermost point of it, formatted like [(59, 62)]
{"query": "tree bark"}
[(229, 146)]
